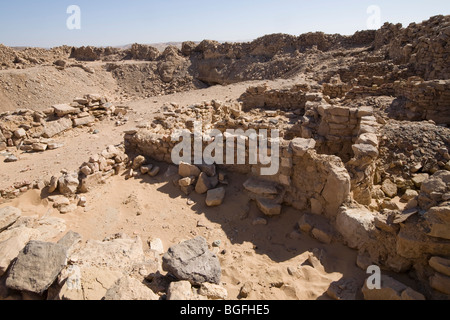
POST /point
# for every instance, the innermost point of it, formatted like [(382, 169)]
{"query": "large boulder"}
[(355, 225), (192, 261), (11, 247), (36, 267), (8, 216)]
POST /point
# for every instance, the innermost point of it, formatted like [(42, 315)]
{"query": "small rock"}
[(82, 202), (138, 162), (146, 169), (213, 291), (259, 222), (154, 172), (53, 184), (180, 291), (191, 260), (269, 207), (39, 147), (20, 133), (127, 289), (389, 188), (11, 158), (205, 183), (156, 245), (217, 243), (246, 289), (188, 170), (185, 182), (215, 197)]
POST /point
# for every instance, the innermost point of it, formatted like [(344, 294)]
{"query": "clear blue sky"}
[(112, 22)]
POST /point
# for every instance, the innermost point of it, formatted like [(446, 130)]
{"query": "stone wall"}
[(426, 100)]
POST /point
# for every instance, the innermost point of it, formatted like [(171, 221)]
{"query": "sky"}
[(43, 23)]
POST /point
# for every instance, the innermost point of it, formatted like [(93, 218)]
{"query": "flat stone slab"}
[(192, 261), (53, 128), (64, 109)]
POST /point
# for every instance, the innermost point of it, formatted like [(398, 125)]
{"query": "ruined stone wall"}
[(264, 97), (426, 100), (424, 47)]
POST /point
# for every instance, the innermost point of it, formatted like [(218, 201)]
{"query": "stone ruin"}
[(364, 156), (331, 167)]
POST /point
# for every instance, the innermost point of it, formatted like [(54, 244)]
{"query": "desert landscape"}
[(93, 207)]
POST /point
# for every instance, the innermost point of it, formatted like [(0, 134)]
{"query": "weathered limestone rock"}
[(77, 122), (188, 170), (438, 218), (215, 197), (70, 242), (53, 184), (138, 162), (53, 128), (389, 188), (89, 182), (344, 289), (121, 253), (39, 147), (62, 110), (414, 244), (365, 150), (213, 291), (441, 283), (181, 291), (440, 265), (205, 183), (20, 133), (8, 216), (128, 288), (13, 245), (419, 179), (337, 189), (269, 207), (68, 184), (300, 146), (355, 225), (391, 289), (36, 267), (191, 260)]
